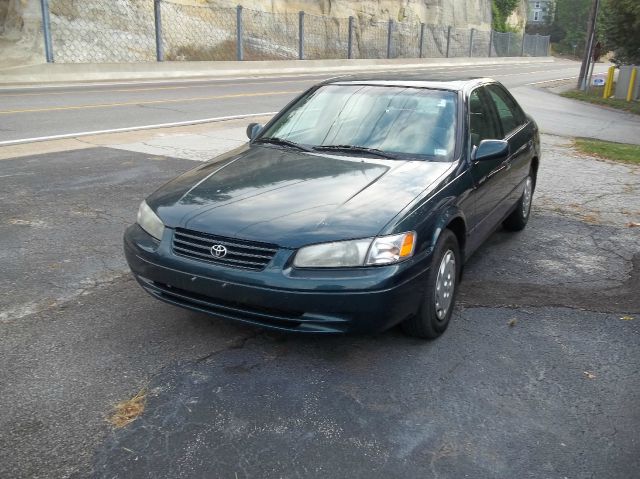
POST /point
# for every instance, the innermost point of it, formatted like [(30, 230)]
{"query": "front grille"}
[(240, 253)]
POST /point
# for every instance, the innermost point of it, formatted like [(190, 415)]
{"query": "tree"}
[(500, 10), (569, 26), (620, 24)]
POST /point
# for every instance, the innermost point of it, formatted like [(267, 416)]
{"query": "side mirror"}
[(491, 150), (253, 130)]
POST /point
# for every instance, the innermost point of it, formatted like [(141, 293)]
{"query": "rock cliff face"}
[(518, 19), (90, 25), (20, 39), (456, 13)]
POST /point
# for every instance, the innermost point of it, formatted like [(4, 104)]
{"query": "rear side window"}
[(482, 121), (511, 116)]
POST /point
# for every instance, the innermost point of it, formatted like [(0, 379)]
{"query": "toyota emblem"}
[(219, 251)]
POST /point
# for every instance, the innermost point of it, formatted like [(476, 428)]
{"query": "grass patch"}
[(609, 150), (127, 411), (595, 96)]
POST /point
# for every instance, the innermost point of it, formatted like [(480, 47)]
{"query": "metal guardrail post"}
[(389, 33), (157, 17), (422, 25), (239, 49), (524, 36), (46, 30), (490, 42), (471, 42), (632, 84), (448, 39), (608, 86), (350, 43), (301, 35)]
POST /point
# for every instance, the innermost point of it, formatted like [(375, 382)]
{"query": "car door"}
[(516, 129), (490, 177)]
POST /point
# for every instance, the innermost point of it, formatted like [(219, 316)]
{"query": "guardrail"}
[(95, 31)]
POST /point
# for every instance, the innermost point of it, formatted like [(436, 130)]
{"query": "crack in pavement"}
[(238, 343)]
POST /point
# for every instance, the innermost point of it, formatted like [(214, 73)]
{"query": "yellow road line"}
[(133, 90), (148, 102)]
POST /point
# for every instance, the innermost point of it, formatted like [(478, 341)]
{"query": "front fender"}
[(450, 215), (444, 207)]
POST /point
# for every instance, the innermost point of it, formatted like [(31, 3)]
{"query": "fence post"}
[(471, 42), (524, 36), (548, 48), (535, 54), (490, 42), (157, 17), (350, 42), (239, 49), (508, 44), (301, 35), (389, 38), (46, 30), (422, 25), (448, 39)]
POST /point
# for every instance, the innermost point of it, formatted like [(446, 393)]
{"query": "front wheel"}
[(518, 219), (436, 308)]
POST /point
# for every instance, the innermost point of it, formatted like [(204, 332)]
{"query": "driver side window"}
[(482, 121)]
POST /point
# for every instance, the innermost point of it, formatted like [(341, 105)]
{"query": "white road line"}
[(560, 79), (133, 128), (549, 81)]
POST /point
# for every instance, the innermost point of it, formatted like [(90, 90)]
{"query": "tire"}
[(435, 311), (518, 219)]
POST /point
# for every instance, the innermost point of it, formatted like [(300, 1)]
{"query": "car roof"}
[(412, 80)]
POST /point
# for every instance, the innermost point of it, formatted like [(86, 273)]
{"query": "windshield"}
[(402, 122)]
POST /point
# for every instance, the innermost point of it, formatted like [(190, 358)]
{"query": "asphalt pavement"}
[(538, 375), (41, 112)]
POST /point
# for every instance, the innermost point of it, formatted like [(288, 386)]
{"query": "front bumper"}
[(278, 297)]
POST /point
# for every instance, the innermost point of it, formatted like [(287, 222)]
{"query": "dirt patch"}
[(129, 410)]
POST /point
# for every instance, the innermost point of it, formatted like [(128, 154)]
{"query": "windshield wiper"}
[(281, 141), (355, 149)]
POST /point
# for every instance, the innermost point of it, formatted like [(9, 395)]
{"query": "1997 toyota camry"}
[(352, 210)]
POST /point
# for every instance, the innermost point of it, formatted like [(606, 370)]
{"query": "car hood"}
[(292, 198)]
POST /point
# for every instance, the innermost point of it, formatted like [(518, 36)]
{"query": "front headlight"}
[(363, 252), (149, 221), (391, 249)]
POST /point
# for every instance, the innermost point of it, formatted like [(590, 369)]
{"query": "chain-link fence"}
[(324, 37), (191, 32), (94, 31), (269, 36), (99, 31)]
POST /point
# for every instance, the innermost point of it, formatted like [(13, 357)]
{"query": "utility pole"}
[(589, 44)]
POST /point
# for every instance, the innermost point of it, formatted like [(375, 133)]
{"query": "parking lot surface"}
[(537, 376)]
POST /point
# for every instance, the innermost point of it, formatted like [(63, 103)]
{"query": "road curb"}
[(53, 73)]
